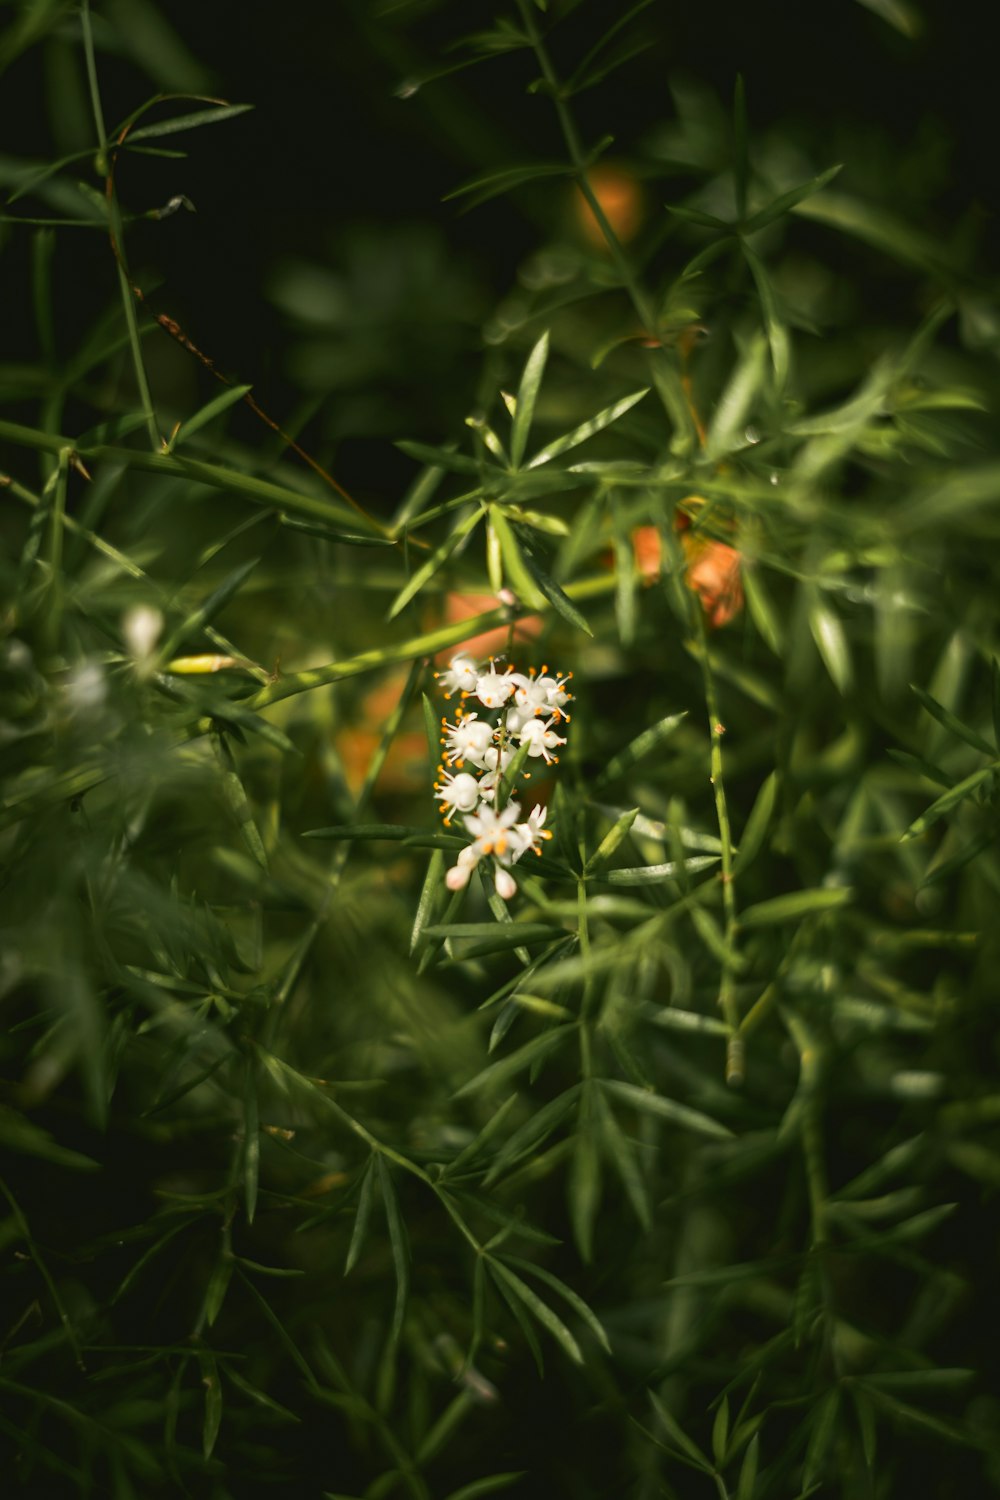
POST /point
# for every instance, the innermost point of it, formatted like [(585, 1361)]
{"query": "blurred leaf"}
[(795, 905), (399, 1241), (652, 1103), (788, 201), (757, 825), (952, 722), (532, 1052), (436, 561), (527, 395), (944, 804)]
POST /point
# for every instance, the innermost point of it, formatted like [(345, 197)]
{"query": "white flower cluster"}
[(522, 711)]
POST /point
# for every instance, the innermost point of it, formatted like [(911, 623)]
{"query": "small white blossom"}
[(556, 695), (505, 883), (469, 739), (516, 718), (457, 877), (496, 762), (531, 833), (491, 831), (85, 689), (493, 688), (460, 676), (457, 793), (142, 625), (541, 739)]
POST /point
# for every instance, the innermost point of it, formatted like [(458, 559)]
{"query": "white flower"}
[(460, 676), (539, 695), (541, 739), (493, 688), (505, 883), (469, 739), (491, 831), (530, 834), (496, 762), (530, 694), (457, 793), (556, 696), (516, 718), (457, 877), (142, 625)]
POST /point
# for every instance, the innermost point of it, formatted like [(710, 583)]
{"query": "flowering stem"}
[(716, 729)]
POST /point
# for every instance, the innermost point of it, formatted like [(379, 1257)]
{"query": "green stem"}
[(117, 229), (578, 157), (716, 729)]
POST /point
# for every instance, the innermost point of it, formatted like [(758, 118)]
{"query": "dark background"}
[(334, 170)]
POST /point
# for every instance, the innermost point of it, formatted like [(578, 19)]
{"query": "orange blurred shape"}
[(458, 607), (713, 569), (405, 768), (714, 573), (621, 200)]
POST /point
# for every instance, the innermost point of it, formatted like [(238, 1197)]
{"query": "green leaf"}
[(725, 430), (587, 429), (429, 894), (748, 1470), (532, 1052), (556, 596), (665, 1109), (364, 832), (952, 722), (399, 1241), (239, 803), (436, 561), (487, 1486), (640, 747), (944, 804), (251, 1139), (207, 611), (653, 874), (212, 1419), (363, 1214), (678, 1436), (795, 905), (611, 840), (576, 1302), (439, 458), (757, 825), (527, 395), (777, 333), (193, 121), (787, 201), (584, 1181), (828, 633), (621, 1155), (537, 1307), (492, 184), (514, 565), (530, 1136), (900, 14), (207, 414), (332, 534)]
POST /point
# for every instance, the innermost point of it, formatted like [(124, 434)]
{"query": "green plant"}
[(664, 1175)]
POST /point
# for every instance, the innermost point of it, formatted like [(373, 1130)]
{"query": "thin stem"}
[(716, 729), (116, 230), (577, 156)]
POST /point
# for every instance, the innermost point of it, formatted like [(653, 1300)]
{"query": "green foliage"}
[(670, 1177)]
